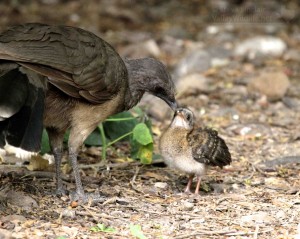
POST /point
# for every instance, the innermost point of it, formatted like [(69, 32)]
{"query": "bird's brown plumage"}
[(191, 149), (84, 79)]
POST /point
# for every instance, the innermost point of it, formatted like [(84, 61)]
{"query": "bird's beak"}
[(171, 102), (173, 105)]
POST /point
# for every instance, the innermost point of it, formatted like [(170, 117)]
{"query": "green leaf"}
[(142, 134), (102, 228), (94, 139), (45, 146), (145, 153), (118, 127), (136, 230)]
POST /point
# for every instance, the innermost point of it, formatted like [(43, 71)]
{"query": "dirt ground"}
[(257, 196)]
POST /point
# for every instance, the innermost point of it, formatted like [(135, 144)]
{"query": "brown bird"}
[(67, 78), (190, 149)]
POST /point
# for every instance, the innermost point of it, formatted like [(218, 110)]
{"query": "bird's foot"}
[(188, 192), (91, 198), (60, 191)]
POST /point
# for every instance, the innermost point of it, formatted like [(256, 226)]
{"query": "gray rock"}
[(266, 45), (274, 84), (292, 55), (5, 234), (200, 60), (191, 84), (156, 107), (147, 48), (197, 61), (161, 185)]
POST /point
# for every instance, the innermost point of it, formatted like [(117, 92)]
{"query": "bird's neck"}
[(132, 97), (135, 90)]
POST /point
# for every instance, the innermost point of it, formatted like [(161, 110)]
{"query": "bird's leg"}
[(76, 139), (57, 152), (56, 144), (189, 184), (198, 185), (79, 193)]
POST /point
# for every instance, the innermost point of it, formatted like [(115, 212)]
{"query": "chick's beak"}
[(178, 112)]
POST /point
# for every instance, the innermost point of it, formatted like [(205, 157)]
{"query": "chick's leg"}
[(198, 185), (189, 184)]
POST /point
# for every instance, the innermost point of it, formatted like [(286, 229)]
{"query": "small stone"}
[(13, 218), (5, 234), (147, 48), (187, 206), (265, 45), (21, 200), (197, 61), (68, 213), (260, 217), (192, 84), (161, 185), (158, 109), (274, 84)]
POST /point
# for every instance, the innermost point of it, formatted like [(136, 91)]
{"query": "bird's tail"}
[(21, 111)]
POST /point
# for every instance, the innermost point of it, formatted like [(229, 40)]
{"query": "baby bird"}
[(190, 149)]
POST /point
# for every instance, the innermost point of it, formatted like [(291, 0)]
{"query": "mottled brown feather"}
[(208, 147)]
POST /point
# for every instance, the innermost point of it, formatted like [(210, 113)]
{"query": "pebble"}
[(5, 234), (260, 217), (265, 45), (274, 84), (147, 48), (156, 107), (200, 60), (192, 84), (161, 185), (197, 61), (187, 206), (21, 200)]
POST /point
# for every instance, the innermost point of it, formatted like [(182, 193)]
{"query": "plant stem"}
[(104, 143), (118, 139), (122, 119)]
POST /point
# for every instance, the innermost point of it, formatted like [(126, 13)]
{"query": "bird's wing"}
[(208, 147), (76, 61)]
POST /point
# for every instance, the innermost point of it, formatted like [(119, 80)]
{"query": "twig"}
[(96, 216), (256, 232), (110, 165), (137, 170), (214, 233)]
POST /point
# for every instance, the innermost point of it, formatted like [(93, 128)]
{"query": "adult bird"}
[(63, 77), (190, 149)]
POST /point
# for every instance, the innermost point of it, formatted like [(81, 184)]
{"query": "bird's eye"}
[(159, 90), (188, 117)]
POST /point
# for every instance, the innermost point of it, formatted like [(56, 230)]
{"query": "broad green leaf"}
[(142, 134), (94, 139), (45, 146), (136, 230), (115, 129), (145, 153)]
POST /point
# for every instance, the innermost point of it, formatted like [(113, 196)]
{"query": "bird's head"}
[(183, 118), (150, 75)]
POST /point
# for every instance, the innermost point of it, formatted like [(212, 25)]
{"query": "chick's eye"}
[(188, 117)]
